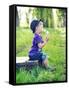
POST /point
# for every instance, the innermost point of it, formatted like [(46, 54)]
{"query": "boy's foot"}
[(49, 68)]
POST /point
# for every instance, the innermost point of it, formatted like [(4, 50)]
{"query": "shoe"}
[(49, 68)]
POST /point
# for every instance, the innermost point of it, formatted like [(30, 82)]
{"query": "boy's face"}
[(39, 28)]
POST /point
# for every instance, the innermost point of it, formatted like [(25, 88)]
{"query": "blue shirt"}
[(37, 39)]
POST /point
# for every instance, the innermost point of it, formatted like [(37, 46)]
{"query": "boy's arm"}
[(40, 45)]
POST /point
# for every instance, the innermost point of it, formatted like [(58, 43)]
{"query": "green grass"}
[(55, 49)]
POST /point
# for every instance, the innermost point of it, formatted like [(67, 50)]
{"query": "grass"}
[(55, 49)]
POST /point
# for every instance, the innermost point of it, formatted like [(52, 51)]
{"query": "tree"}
[(55, 18), (17, 18), (45, 14)]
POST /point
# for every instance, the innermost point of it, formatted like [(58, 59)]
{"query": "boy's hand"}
[(47, 39)]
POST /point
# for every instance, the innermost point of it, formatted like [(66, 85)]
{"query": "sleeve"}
[(38, 40)]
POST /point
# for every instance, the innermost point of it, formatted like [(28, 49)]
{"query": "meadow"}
[(55, 50)]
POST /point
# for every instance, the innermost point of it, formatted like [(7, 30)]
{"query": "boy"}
[(37, 44)]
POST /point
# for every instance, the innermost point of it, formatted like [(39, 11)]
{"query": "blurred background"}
[(52, 18)]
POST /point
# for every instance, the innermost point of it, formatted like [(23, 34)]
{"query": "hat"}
[(34, 24)]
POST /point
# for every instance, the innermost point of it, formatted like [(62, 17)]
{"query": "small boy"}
[(37, 44)]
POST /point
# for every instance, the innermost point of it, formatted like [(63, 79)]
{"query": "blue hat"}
[(34, 24)]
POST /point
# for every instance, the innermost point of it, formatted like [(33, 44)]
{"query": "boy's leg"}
[(45, 63), (44, 59)]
